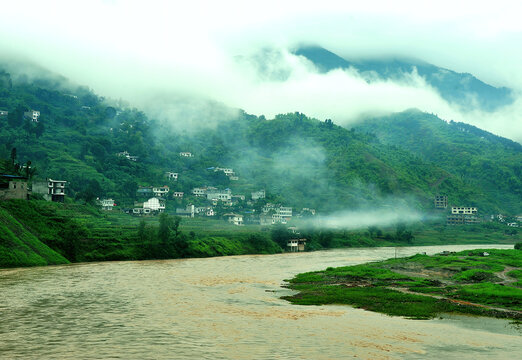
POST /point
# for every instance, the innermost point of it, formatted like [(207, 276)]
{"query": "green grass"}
[(19, 247), (460, 277)]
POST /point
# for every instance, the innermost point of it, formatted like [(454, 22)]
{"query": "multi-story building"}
[(199, 191), (461, 219), (33, 115), (107, 204), (52, 190), (160, 191), (256, 195), (466, 210), (154, 204), (127, 156), (441, 202), (235, 219), (172, 176)]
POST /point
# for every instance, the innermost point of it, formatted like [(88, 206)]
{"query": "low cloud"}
[(187, 64), (351, 220)]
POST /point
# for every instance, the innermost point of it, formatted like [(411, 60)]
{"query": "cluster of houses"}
[(32, 115), (227, 171), (17, 187), (469, 215)]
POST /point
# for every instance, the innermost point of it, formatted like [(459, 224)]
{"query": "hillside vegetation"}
[(300, 161)]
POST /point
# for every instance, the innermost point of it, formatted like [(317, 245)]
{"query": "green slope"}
[(19, 247), (488, 163), (300, 161)]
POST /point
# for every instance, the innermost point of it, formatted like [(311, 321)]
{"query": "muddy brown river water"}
[(222, 308)]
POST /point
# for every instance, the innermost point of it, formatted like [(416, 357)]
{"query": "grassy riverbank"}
[(420, 286), (37, 232)]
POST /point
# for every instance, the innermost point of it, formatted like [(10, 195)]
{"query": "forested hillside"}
[(300, 161), (486, 162)]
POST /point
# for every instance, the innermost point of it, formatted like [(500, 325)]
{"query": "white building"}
[(172, 176), (235, 219), (189, 211), (199, 191), (178, 194), (33, 115), (127, 156), (466, 210), (256, 195), (185, 154), (222, 195), (160, 191), (154, 204), (107, 204)]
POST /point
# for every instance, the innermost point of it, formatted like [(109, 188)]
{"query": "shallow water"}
[(221, 308)]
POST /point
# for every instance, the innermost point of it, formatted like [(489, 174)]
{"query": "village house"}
[(127, 156), (215, 194), (144, 191), (160, 191), (265, 220), (188, 211), (52, 190), (178, 194), (154, 204), (461, 219), (466, 210), (256, 195), (107, 204), (267, 208), (441, 202), (237, 198), (296, 245), (13, 187), (171, 176), (282, 215), (185, 154), (4, 113), (235, 219), (306, 211), (32, 115), (199, 191)]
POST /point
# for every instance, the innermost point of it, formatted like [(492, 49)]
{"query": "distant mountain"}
[(488, 162), (462, 89)]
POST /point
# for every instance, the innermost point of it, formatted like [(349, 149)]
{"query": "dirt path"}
[(459, 302), (506, 280)]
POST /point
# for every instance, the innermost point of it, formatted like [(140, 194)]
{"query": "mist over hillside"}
[(300, 161), (462, 89)]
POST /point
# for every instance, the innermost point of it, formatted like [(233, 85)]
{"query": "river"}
[(222, 308)]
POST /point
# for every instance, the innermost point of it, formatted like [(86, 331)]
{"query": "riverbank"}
[(36, 233), (478, 282)]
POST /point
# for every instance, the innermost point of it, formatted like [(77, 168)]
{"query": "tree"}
[(40, 129), (280, 235)]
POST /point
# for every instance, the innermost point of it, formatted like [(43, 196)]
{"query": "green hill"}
[(488, 163), (300, 161), (20, 247)]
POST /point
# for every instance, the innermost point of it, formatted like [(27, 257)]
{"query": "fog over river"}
[(222, 308)]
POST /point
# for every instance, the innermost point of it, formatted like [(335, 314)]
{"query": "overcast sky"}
[(145, 50)]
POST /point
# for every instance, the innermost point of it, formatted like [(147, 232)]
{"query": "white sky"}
[(138, 49)]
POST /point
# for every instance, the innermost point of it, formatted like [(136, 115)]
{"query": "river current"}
[(222, 308)]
